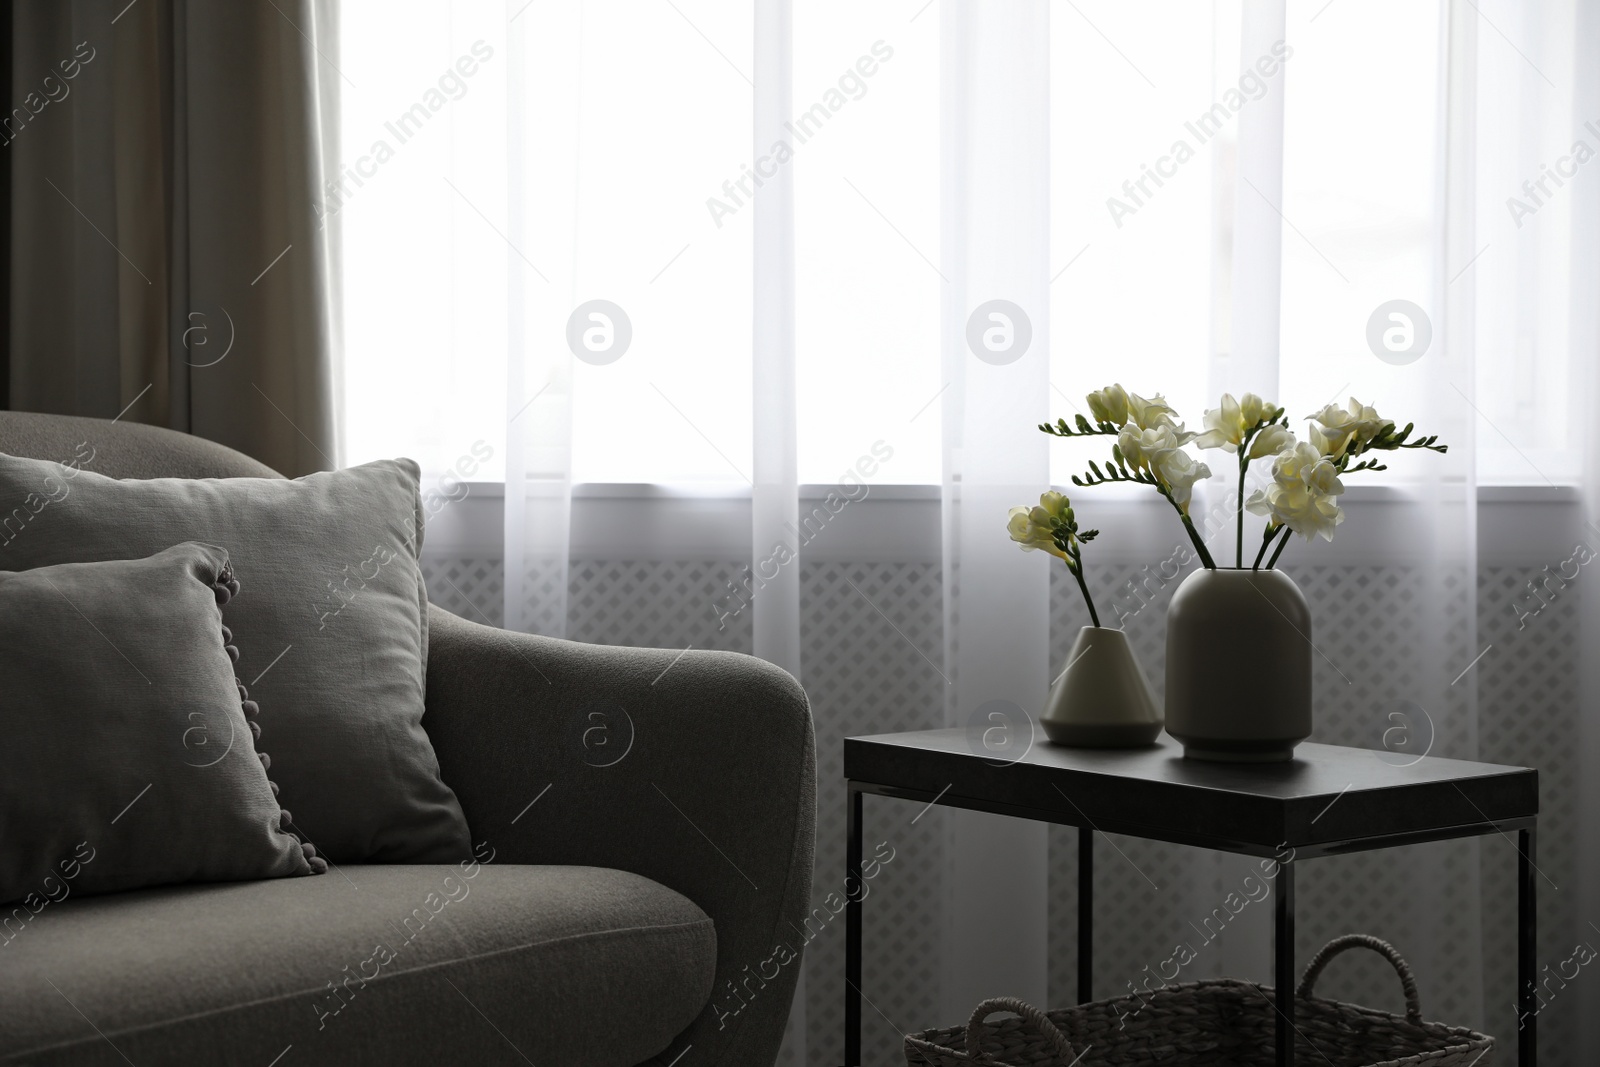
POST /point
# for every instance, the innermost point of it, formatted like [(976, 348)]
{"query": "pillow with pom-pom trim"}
[(130, 752)]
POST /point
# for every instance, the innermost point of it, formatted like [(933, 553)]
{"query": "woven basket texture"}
[(1217, 1023)]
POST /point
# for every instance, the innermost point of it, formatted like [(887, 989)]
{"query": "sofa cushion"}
[(474, 963), (333, 636), (127, 758)]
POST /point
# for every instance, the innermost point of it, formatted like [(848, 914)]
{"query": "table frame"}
[(1284, 908)]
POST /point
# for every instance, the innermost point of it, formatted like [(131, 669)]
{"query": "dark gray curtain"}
[(168, 260), (5, 222)]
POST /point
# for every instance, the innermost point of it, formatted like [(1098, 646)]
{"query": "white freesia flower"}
[(1033, 528), (1330, 445), (1141, 447), (1271, 440), (1052, 527), (1109, 405), (1179, 471), (1253, 410), (1301, 497), (1130, 442), (1228, 424), (1153, 413), (1225, 426), (1350, 429), (1052, 505), (1159, 452)]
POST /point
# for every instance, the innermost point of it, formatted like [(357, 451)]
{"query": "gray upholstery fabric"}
[(486, 964), (725, 738), (333, 634), (716, 798), (123, 449), (126, 759)]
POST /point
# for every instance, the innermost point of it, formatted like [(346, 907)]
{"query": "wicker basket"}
[(1220, 1023)]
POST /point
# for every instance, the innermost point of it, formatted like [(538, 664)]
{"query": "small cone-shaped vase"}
[(1102, 699)]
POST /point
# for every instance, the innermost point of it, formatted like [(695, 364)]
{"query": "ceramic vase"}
[(1239, 666), (1101, 699)]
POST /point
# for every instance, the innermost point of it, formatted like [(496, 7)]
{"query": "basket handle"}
[(1339, 944), (1028, 1012)]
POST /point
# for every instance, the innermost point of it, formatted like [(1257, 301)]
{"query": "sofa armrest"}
[(694, 769)]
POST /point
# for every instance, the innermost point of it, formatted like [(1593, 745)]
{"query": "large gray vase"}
[(1239, 666)]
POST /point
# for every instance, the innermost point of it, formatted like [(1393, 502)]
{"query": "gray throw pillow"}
[(333, 635), (128, 759)]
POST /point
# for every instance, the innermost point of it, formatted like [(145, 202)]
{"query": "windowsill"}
[(1528, 494), (1496, 494), (1518, 525), (701, 490)]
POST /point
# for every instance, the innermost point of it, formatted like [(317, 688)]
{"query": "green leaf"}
[(1083, 424)]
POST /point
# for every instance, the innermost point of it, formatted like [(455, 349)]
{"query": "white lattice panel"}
[(1367, 625), (656, 604), (1528, 690), (865, 677), (472, 588), (645, 604)]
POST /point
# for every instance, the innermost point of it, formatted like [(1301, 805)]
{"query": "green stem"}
[(1244, 465), (1282, 544), (1194, 534), (1266, 539), (1075, 565)]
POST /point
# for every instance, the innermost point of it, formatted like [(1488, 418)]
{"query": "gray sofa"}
[(627, 917)]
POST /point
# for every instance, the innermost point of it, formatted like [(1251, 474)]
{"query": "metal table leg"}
[(1085, 914), (1527, 951), (1283, 954), (852, 934)]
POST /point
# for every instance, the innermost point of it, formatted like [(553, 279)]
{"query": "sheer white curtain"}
[(1533, 305)]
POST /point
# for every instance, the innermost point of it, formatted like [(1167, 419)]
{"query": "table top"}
[(1327, 799)]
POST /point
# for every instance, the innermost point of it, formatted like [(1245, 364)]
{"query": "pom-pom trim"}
[(226, 587)]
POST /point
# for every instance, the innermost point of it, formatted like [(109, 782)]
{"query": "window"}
[(632, 124)]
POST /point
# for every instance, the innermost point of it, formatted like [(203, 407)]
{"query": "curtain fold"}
[(777, 550), (1585, 339), (994, 255), (543, 163), (169, 262), (1441, 524), (1252, 182)]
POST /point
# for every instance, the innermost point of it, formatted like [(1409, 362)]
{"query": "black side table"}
[(1329, 800)]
